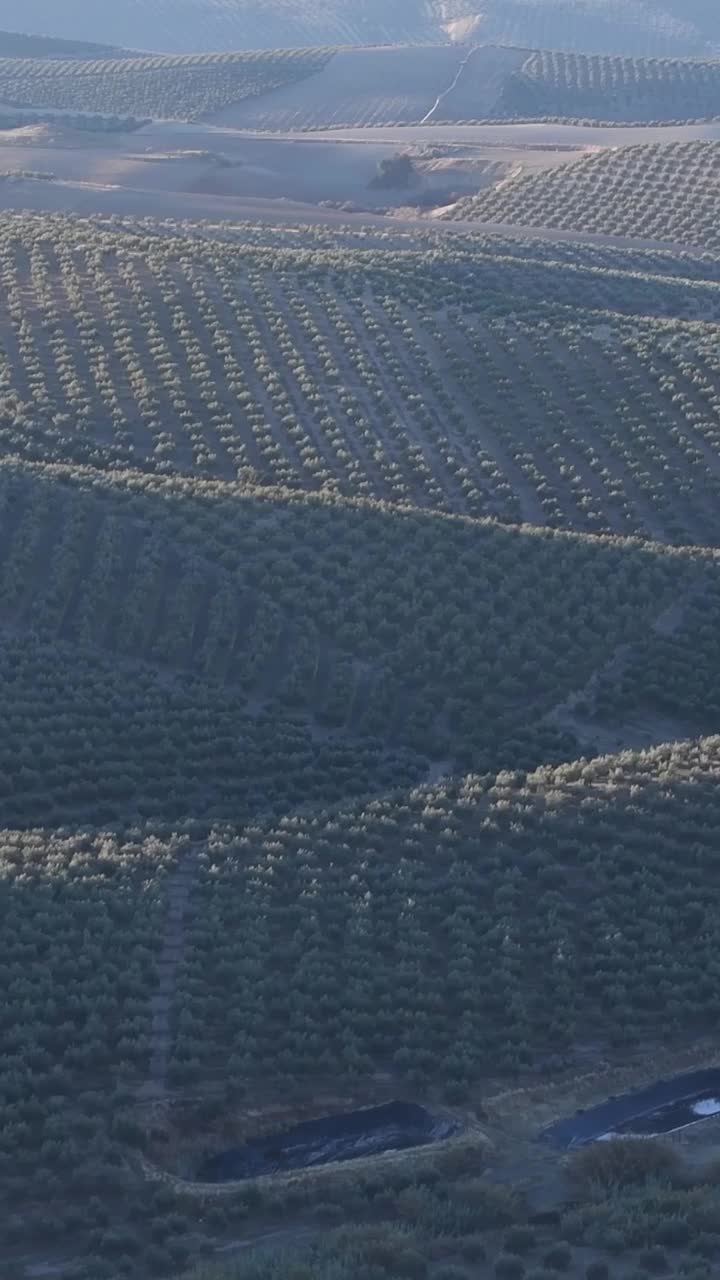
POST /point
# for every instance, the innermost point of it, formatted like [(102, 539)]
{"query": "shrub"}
[(331, 1214), (654, 1259), (673, 1232), (614, 1240), (705, 1244), (622, 1162), (709, 1174), (509, 1267), (473, 1249), (411, 1263), (519, 1239), (559, 1257), (461, 1159), (492, 1206)]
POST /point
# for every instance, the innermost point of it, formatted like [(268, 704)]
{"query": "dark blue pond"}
[(392, 1127), (660, 1108)]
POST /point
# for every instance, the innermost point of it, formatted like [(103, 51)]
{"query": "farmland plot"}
[(604, 88), (165, 87), (659, 191), (391, 381), (580, 862), (356, 87), (257, 602)]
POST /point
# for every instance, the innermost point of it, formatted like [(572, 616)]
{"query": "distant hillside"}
[(168, 87), (612, 88), (15, 45), (189, 26), (639, 28), (657, 28), (667, 192)]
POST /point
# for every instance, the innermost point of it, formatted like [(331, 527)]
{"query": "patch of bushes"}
[(622, 1163), (559, 1257), (519, 1239), (509, 1267)]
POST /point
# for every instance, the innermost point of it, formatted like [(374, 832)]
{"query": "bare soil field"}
[(356, 87)]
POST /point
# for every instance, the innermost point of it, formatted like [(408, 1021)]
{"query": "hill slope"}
[(191, 26), (182, 88), (663, 191), (302, 769), (13, 44), (338, 372), (640, 28), (484, 922), (612, 88)]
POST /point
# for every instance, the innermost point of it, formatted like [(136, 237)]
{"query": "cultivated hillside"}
[(639, 28), (359, 606), (612, 88), (171, 87), (665, 192), (371, 373)]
